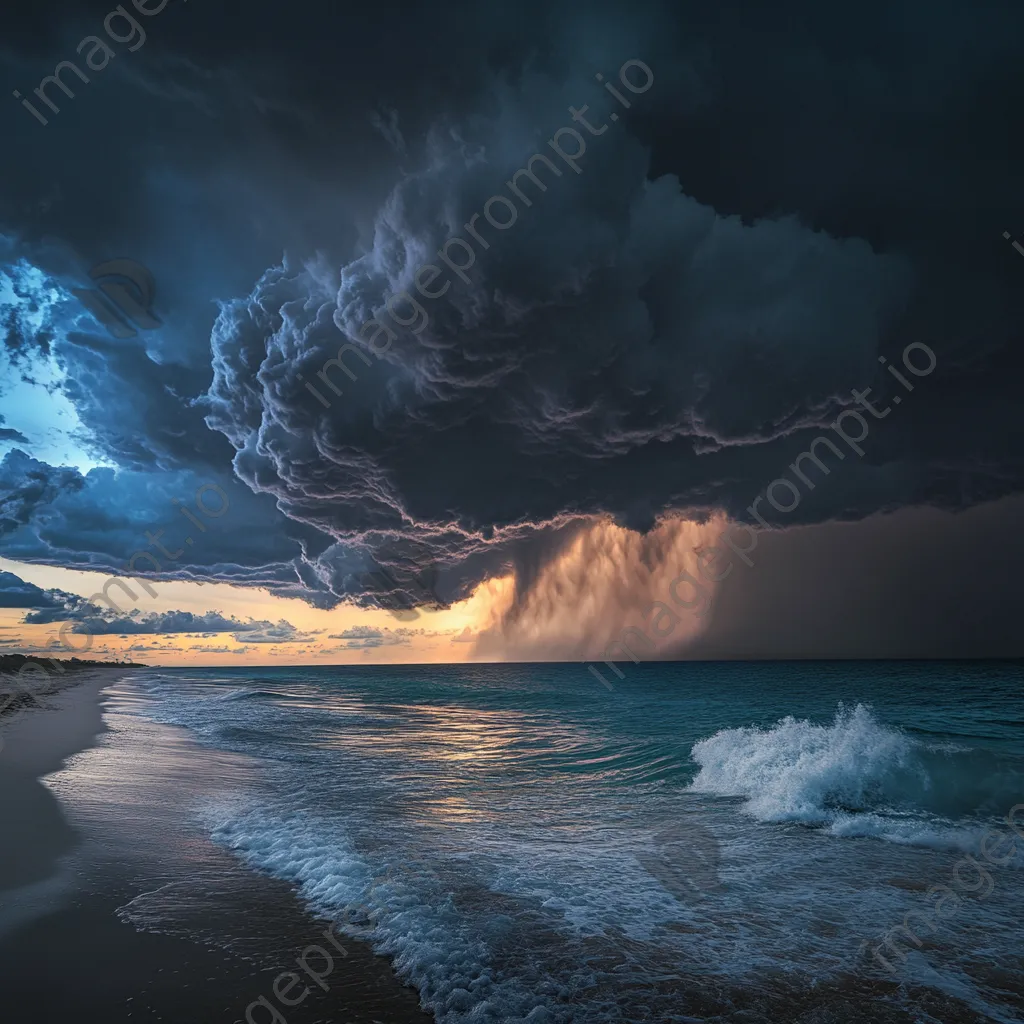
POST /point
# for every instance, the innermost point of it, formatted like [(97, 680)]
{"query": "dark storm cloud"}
[(16, 593), (224, 162), (623, 348), (128, 523), (26, 486), (131, 395), (667, 329), (100, 520)]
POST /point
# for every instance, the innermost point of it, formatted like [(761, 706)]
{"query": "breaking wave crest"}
[(857, 776)]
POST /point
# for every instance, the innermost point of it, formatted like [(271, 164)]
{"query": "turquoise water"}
[(706, 842)]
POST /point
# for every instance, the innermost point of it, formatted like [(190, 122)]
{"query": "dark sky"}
[(805, 190)]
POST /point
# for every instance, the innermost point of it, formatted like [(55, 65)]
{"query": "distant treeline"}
[(16, 662), (18, 690)]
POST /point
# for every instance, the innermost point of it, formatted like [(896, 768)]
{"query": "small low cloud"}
[(358, 638), (358, 633), (92, 619), (8, 434), (282, 632)]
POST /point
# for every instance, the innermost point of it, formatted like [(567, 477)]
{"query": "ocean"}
[(709, 841)]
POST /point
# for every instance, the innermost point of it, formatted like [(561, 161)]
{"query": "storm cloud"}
[(16, 593), (624, 350)]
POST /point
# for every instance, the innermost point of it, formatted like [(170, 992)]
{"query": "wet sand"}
[(36, 741), (112, 908)]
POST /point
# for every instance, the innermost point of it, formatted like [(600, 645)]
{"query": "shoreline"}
[(104, 857), (74, 718), (37, 741)]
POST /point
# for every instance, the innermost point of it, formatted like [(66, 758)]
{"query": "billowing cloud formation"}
[(622, 349), (602, 343), (27, 487), (101, 519)]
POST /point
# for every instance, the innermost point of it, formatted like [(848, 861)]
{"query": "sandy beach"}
[(36, 741), (147, 919)]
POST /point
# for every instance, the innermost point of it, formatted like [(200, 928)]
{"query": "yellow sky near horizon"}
[(429, 638)]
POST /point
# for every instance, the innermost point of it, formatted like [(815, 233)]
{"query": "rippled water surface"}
[(707, 842)]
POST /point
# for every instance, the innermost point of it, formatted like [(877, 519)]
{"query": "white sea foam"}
[(857, 776), (800, 771)]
